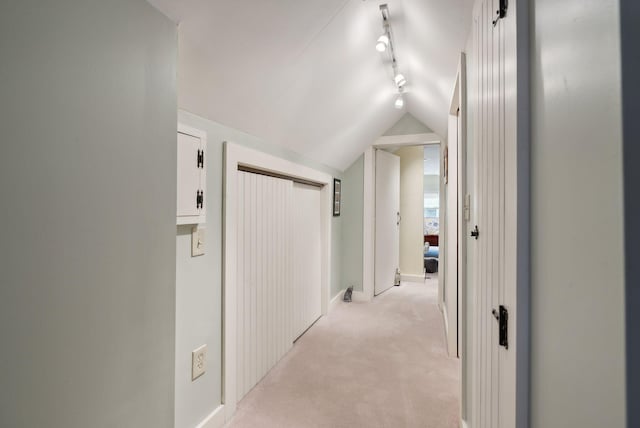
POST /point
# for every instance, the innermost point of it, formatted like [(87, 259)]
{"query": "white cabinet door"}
[(387, 245), (188, 175), (191, 176)]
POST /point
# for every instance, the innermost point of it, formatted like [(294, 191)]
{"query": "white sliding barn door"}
[(307, 256), (387, 220), (492, 281), (264, 278), (278, 271)]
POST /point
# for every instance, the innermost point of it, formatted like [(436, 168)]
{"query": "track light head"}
[(400, 80), (399, 102), (383, 43)]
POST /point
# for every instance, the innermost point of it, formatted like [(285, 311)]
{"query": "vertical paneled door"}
[(492, 242), (279, 271), (387, 220)]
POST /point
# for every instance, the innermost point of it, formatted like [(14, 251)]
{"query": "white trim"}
[(216, 419), (407, 140), (359, 296), (445, 324), (412, 278), (463, 424), (368, 223), (463, 226), (235, 155), (336, 299)]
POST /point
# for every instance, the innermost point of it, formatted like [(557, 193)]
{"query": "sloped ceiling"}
[(306, 75)]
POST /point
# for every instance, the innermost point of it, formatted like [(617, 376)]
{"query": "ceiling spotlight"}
[(399, 102), (400, 80), (383, 43)]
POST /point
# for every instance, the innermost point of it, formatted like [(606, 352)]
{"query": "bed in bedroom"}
[(431, 245), (431, 232)]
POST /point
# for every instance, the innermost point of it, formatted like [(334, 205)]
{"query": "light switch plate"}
[(198, 362), (197, 241)]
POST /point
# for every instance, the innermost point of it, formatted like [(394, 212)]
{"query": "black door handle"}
[(475, 232), (502, 316)]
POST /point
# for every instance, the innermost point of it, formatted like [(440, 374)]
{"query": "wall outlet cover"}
[(198, 362)]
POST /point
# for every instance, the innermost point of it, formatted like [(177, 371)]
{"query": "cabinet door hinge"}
[(502, 12), (199, 199), (200, 161)]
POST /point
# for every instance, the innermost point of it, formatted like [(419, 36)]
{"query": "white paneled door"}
[(492, 279), (307, 256), (278, 271), (387, 221)]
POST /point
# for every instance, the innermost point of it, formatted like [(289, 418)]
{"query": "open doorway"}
[(407, 209), (431, 209)]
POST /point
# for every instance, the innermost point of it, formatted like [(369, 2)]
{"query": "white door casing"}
[(387, 220)]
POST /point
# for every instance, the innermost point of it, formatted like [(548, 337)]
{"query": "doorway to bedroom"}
[(431, 209)]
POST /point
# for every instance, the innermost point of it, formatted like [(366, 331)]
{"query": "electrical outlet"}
[(198, 362)]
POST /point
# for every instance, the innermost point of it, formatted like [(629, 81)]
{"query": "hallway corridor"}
[(379, 364)]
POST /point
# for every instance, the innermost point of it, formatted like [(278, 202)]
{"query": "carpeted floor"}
[(381, 364)]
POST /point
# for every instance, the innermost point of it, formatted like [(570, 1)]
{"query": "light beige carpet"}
[(379, 364)]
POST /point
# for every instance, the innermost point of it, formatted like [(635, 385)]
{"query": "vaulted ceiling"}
[(306, 75)]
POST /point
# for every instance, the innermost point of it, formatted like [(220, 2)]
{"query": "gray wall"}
[(630, 34), (577, 288), (199, 279), (87, 182), (353, 227)]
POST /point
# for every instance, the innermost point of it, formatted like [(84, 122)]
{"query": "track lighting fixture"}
[(385, 43)]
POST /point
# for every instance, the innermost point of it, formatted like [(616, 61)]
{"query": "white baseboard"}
[(412, 278), (445, 319), (356, 296), (215, 420), (337, 298), (359, 296), (463, 424)]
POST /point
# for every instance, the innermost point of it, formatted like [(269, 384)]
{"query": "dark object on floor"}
[(347, 294), (397, 278), (430, 265)]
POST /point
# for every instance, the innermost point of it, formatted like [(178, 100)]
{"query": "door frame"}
[(368, 238), (458, 110), (236, 155)]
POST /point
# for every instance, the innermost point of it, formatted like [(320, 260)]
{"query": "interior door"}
[(387, 220), (492, 239)]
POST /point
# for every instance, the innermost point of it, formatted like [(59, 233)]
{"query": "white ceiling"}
[(306, 75)]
